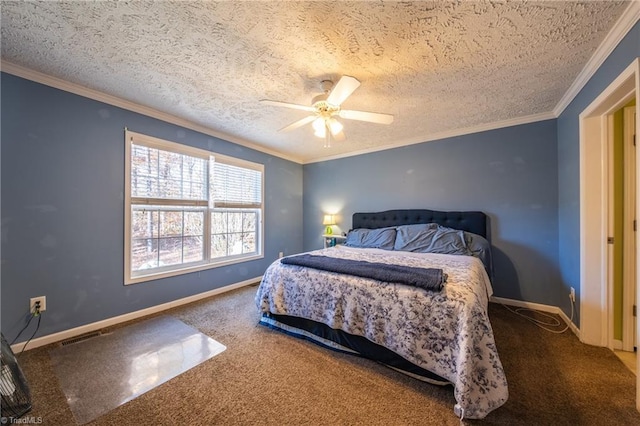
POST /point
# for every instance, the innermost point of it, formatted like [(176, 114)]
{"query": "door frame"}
[(595, 295)]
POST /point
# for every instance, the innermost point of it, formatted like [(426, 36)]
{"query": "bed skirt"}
[(341, 341)]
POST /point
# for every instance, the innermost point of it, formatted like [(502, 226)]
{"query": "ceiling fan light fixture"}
[(320, 127), (327, 105), (335, 126)]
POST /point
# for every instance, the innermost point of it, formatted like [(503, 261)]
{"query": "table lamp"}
[(329, 221)]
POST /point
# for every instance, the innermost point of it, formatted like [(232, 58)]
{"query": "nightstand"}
[(331, 240)]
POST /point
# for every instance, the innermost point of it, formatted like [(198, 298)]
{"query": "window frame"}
[(134, 138)]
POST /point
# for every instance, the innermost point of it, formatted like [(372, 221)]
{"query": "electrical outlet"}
[(572, 295), (34, 300), (281, 254)]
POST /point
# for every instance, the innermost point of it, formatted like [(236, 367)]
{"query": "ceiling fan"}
[(326, 107)]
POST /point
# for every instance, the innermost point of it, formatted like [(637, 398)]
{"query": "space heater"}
[(16, 398)]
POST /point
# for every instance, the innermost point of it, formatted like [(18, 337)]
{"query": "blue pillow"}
[(431, 238), (414, 237), (382, 238), (480, 248)]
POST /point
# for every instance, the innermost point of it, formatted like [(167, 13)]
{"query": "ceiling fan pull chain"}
[(327, 137)]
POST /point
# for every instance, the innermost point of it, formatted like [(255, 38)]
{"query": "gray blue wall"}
[(569, 160), (62, 177), (511, 174)]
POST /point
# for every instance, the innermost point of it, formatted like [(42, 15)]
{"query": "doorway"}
[(622, 226), (596, 272)]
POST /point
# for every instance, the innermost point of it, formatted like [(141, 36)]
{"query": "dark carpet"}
[(268, 378)]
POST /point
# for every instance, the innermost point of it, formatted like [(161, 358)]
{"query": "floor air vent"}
[(81, 338)]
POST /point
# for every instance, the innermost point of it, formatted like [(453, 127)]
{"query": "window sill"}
[(128, 280)]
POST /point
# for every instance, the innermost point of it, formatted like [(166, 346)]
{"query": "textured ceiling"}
[(436, 66)]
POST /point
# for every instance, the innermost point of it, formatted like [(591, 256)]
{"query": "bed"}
[(439, 333)]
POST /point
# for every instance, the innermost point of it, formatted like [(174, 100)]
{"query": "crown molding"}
[(38, 77), (627, 20), (442, 135), (57, 83)]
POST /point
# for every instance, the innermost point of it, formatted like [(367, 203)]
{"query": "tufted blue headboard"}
[(470, 221)]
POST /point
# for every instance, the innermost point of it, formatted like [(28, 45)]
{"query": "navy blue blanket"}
[(426, 278)]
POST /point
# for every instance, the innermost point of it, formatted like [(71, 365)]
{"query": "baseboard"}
[(77, 331), (617, 345), (539, 307)]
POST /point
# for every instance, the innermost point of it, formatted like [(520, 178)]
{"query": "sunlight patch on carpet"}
[(101, 373)]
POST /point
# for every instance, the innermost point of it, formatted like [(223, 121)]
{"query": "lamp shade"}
[(335, 126), (320, 127), (329, 220)]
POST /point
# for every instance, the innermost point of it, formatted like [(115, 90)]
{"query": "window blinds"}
[(235, 187)]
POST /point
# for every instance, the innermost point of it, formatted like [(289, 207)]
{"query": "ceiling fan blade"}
[(342, 90), (287, 105), (298, 123), (372, 117)]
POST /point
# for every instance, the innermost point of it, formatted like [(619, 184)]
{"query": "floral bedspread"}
[(446, 332)]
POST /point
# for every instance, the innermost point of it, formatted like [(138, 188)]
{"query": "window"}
[(188, 209)]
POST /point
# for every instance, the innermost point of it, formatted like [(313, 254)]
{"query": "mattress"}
[(446, 333)]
